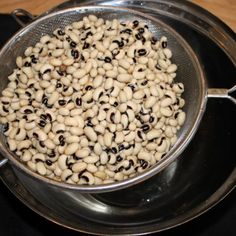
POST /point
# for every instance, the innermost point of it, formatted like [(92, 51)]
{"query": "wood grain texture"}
[(224, 9)]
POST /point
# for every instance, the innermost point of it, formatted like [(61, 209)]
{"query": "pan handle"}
[(222, 93), (21, 12)]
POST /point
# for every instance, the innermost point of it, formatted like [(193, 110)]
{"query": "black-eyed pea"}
[(25, 144), (119, 176), (26, 156), (72, 139), (87, 178), (75, 177), (124, 78), (151, 146), (168, 132), (178, 88), (107, 139), (71, 148), (130, 137), (115, 91), (91, 159), (12, 144), (20, 135), (128, 92), (11, 117), (104, 158), (80, 73), (150, 101), (62, 162), (124, 121), (165, 102), (138, 94), (91, 135), (82, 153), (143, 155), (181, 102), (124, 63), (161, 145), (153, 134), (40, 168), (166, 111), (79, 167), (122, 97), (181, 118), (101, 175), (143, 60), (130, 115), (38, 157), (91, 168), (97, 149), (172, 68), (32, 166), (66, 174), (49, 144), (173, 140)]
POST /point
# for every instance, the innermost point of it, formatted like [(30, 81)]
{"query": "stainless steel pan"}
[(183, 190)]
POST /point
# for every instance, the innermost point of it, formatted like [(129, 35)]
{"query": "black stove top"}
[(17, 219)]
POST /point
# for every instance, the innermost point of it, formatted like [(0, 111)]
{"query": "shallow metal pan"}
[(189, 186)]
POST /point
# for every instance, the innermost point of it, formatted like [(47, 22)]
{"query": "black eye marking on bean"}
[(62, 102), (75, 54), (60, 32), (73, 44), (41, 143), (135, 24), (112, 116), (81, 173), (141, 30), (153, 40), (139, 134), (78, 101), (28, 93), (58, 85), (119, 158), (121, 147), (86, 45), (27, 64), (34, 60), (142, 52), (151, 119), (131, 86), (52, 154), (88, 87), (114, 150), (126, 31), (43, 117), (48, 162), (164, 44), (107, 59), (35, 135), (42, 123), (144, 165)]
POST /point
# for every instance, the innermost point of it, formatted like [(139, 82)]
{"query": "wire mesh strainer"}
[(189, 73)]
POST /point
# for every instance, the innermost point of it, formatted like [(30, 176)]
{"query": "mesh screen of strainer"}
[(189, 71)]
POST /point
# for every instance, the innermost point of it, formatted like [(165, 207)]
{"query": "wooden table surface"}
[(224, 9)]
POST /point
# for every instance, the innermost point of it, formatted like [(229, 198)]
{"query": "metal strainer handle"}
[(222, 93), (21, 12)]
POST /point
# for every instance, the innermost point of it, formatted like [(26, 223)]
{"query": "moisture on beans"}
[(93, 103)]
